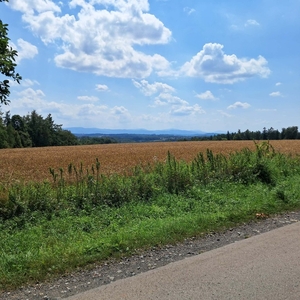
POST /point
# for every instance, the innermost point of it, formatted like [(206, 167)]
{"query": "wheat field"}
[(32, 164)]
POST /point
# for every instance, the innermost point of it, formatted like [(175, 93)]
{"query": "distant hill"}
[(174, 132)]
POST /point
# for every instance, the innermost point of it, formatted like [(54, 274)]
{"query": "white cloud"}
[(185, 110), (88, 98), (87, 114), (31, 93), (23, 83), (251, 22), (208, 95), (239, 105), (278, 84), (28, 100), (213, 65), (179, 107), (149, 89), (31, 6), (25, 50), (100, 38), (119, 110), (225, 114), (89, 110), (189, 10), (275, 94), (120, 115), (29, 82), (165, 98), (102, 87)]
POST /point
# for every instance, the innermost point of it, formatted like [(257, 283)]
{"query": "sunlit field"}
[(32, 164)]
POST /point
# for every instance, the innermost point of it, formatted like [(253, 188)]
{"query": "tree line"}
[(289, 133), (32, 130), (35, 131)]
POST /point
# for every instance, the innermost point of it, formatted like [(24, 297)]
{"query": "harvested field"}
[(32, 164)]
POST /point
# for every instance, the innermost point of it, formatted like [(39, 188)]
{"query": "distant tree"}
[(66, 138), (265, 134), (7, 63), (11, 137), (7, 118), (273, 134), (228, 136), (3, 134), (247, 135), (238, 135), (290, 133), (257, 135), (17, 122), (35, 129), (18, 141)]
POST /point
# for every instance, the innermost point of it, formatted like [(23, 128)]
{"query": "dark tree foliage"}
[(90, 140), (289, 133), (7, 63), (33, 131)]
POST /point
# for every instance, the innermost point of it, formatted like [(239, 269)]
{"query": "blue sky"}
[(157, 64)]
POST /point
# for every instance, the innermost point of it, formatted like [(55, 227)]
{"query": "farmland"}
[(112, 208), (32, 164)]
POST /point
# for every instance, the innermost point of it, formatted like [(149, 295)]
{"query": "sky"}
[(213, 65)]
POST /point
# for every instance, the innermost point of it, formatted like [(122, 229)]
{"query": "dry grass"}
[(32, 164)]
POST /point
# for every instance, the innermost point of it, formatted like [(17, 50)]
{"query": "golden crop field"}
[(32, 164)]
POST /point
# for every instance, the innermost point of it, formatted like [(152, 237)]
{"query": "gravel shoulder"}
[(155, 257)]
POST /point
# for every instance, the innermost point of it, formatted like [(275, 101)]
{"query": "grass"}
[(48, 229)]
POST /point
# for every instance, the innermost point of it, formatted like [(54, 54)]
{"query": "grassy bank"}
[(82, 216)]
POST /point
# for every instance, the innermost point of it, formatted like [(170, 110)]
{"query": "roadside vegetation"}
[(82, 216)]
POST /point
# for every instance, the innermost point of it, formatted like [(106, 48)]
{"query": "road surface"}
[(266, 266)]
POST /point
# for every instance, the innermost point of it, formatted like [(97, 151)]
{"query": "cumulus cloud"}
[(100, 35), (86, 114), (88, 98), (28, 100), (213, 65), (88, 111), (251, 22), (275, 94), (150, 89), (119, 110), (208, 95), (178, 106), (278, 84), (165, 98), (121, 115), (239, 105), (25, 50), (185, 110), (102, 87), (31, 93), (34, 6)]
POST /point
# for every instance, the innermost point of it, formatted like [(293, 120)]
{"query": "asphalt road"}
[(266, 266)]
